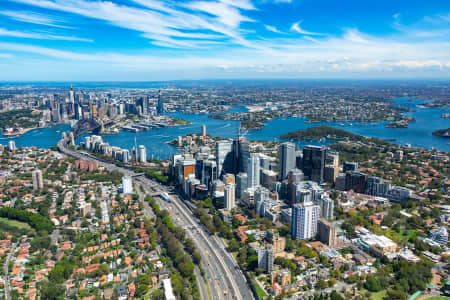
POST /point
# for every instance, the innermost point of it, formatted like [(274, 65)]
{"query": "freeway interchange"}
[(225, 278)]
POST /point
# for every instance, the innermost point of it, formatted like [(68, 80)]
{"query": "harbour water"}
[(419, 133)]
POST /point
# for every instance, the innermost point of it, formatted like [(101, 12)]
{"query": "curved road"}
[(225, 278)]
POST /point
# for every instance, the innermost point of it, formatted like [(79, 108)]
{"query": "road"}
[(6, 272), (226, 280)]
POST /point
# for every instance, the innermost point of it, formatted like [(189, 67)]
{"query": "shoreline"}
[(18, 134)]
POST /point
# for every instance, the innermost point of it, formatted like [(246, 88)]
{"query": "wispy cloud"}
[(165, 22), (40, 36), (272, 28), (33, 18), (296, 27)]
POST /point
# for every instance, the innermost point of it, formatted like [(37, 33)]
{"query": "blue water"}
[(418, 134)]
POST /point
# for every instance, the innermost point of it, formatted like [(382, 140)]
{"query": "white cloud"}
[(272, 28), (296, 27), (40, 36), (33, 18), (159, 19)]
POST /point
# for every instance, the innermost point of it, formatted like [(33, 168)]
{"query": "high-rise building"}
[(12, 146), (266, 258), (304, 221), (241, 184), (203, 132), (142, 154), (160, 108), (327, 233), (326, 207), (314, 163), (253, 171), (230, 196), (38, 181), (286, 157), (127, 185), (224, 156)]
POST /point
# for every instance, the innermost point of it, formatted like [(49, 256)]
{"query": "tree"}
[(51, 291), (322, 284), (335, 296), (372, 284)]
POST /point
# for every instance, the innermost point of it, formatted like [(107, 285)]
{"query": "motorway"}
[(226, 280)]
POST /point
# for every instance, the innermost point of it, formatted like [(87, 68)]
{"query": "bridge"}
[(87, 126)]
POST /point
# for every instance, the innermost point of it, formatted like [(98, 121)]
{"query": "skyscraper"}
[(71, 101), (142, 154), (160, 108), (230, 196), (266, 258), (327, 233), (314, 163), (253, 171), (286, 157), (224, 156), (38, 181), (203, 133), (304, 221), (326, 207)]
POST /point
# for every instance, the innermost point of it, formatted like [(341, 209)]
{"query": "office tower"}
[(71, 101), (203, 133), (349, 166), (160, 108), (127, 185), (94, 110), (304, 221), (266, 258), (142, 154), (286, 157), (314, 163), (144, 106), (327, 233), (209, 172), (295, 175), (224, 157), (326, 207), (241, 184), (241, 153), (230, 196), (333, 159), (253, 171), (12, 146), (38, 180), (355, 181), (78, 112)]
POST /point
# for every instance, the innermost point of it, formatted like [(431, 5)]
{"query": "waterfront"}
[(419, 133)]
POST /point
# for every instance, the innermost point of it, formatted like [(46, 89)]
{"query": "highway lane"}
[(210, 266), (218, 261)]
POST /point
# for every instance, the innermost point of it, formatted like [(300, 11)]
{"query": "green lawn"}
[(375, 296), (260, 291), (437, 298), (18, 224)]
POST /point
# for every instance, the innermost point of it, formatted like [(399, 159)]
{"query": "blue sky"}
[(145, 40)]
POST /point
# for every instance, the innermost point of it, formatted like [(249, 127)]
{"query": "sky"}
[(158, 40)]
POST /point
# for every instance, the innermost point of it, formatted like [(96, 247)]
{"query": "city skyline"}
[(151, 40)]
